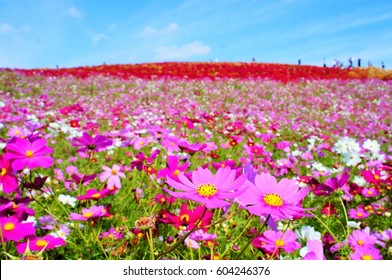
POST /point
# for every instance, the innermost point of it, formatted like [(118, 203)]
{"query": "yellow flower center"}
[(3, 171), (272, 199), (376, 177), (360, 242), (367, 257), (184, 218), (359, 214), (29, 153), (114, 171), (9, 226), (207, 190), (96, 195), (279, 243), (41, 243), (176, 172), (16, 132), (88, 214)]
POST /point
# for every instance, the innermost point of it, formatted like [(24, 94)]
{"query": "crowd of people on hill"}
[(351, 63)]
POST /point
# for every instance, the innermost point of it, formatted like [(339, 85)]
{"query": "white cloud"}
[(98, 38), (74, 12), (8, 28), (150, 31), (173, 52)]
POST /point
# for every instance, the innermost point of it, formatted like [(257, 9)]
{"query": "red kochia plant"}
[(212, 70)]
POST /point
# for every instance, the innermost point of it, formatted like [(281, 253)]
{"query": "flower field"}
[(191, 161)]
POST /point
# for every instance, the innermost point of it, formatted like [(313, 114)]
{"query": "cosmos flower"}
[(94, 194), (272, 242), (173, 168), (313, 251), (12, 229), (366, 253), (88, 143), (363, 238), (8, 181), (93, 212), (37, 244), (24, 153), (267, 196), (67, 199), (142, 161), (208, 189), (359, 213), (187, 218), (112, 175), (112, 234)]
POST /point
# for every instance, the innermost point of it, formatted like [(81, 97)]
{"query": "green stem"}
[(345, 216), (99, 242), (150, 243), (253, 238), (326, 226)]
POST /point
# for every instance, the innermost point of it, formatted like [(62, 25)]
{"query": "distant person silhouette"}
[(359, 62)]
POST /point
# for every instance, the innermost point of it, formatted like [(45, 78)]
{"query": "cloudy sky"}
[(68, 33)]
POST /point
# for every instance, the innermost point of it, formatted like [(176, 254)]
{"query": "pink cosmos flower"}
[(24, 153), (266, 196), (370, 192), (88, 143), (315, 250), (8, 180), (363, 238), (18, 132), (112, 175), (93, 212), (93, 194), (201, 235), (36, 244), (208, 189), (139, 142), (187, 147), (366, 253), (359, 213), (162, 199), (173, 168), (12, 229), (170, 143), (272, 241)]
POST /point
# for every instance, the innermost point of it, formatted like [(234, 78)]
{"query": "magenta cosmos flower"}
[(208, 189), (37, 244), (359, 213), (266, 196), (173, 168), (366, 253), (88, 143), (12, 229), (272, 241), (8, 180), (93, 212), (24, 153), (112, 175)]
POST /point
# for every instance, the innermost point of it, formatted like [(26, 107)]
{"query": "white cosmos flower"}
[(67, 199)]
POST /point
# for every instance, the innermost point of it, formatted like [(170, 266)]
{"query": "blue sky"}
[(68, 33)]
